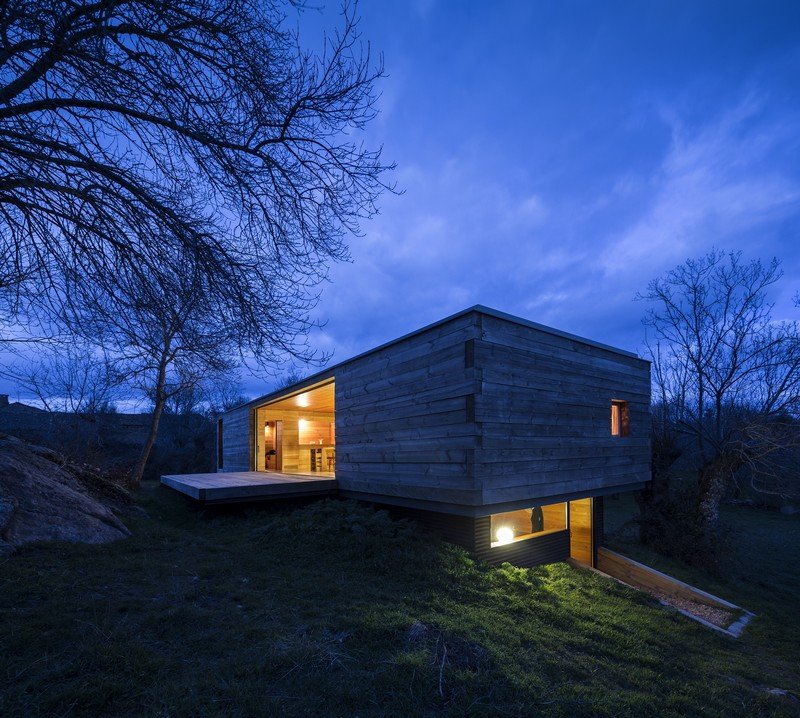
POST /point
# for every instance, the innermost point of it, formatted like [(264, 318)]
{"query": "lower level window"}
[(523, 524)]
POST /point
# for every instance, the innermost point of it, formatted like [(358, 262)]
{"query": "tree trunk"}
[(712, 486), (650, 500), (158, 408)]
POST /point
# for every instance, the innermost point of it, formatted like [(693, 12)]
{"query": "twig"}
[(441, 668)]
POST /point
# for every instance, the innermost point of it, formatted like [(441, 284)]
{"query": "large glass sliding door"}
[(296, 434)]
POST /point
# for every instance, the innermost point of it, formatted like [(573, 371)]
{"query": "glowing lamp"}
[(505, 534)]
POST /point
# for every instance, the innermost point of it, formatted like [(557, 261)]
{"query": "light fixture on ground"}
[(504, 534)]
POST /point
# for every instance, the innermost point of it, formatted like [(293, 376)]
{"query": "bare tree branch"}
[(725, 373), (135, 134)]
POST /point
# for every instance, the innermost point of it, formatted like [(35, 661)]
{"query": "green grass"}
[(306, 611)]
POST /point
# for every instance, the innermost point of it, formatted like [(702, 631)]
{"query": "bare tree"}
[(176, 176), (292, 376), (137, 133), (669, 378), (224, 395), (187, 400), (76, 378), (166, 341), (726, 374)]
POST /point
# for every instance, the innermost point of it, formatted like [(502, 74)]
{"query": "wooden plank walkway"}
[(233, 486)]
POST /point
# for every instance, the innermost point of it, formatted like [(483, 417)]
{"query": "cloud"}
[(461, 235), (723, 185), (532, 211)]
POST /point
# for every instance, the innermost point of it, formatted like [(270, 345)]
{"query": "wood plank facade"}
[(478, 414)]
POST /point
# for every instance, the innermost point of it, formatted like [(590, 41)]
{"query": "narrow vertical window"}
[(620, 419), (219, 443)]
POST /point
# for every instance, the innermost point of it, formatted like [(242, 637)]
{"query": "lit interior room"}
[(528, 523), (296, 434)]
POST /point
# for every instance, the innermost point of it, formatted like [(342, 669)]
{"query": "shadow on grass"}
[(305, 609)]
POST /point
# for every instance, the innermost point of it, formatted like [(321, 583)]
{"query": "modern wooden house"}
[(500, 434)]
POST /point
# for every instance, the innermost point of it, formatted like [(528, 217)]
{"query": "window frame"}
[(527, 537), (620, 419)]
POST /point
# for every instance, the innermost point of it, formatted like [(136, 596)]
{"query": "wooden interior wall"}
[(294, 456), (555, 516), (290, 449), (581, 535), (259, 442), (519, 521), (543, 407), (404, 419)]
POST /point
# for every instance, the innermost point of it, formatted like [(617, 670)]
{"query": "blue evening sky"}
[(557, 156)]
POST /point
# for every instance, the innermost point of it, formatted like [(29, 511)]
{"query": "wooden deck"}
[(231, 487)]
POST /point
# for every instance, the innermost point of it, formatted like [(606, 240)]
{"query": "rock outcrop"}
[(44, 497)]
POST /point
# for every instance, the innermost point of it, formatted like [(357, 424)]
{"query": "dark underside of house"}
[(577, 536), (544, 533)]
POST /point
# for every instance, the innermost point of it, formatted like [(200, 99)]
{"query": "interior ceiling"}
[(317, 399)]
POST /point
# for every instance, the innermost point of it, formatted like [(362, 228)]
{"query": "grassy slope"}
[(305, 611)]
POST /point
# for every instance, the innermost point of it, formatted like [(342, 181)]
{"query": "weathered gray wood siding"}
[(543, 408), (404, 418), (478, 414), (237, 440)]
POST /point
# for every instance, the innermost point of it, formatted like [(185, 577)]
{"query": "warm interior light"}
[(505, 534), (303, 400)]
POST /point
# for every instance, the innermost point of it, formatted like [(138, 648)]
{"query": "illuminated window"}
[(527, 523), (620, 420)]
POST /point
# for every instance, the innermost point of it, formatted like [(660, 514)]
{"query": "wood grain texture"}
[(402, 426), (543, 406), (640, 576), (581, 535), (598, 525), (230, 486), (477, 411), (237, 441)]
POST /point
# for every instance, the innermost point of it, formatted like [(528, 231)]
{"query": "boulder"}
[(43, 497)]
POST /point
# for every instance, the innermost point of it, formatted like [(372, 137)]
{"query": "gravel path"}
[(721, 617)]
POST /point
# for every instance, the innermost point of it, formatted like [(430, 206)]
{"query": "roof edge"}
[(324, 374), (551, 330)]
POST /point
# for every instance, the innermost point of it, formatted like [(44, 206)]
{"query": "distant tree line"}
[(175, 178), (726, 400)]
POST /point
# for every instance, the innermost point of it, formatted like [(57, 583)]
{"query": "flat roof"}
[(322, 376)]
